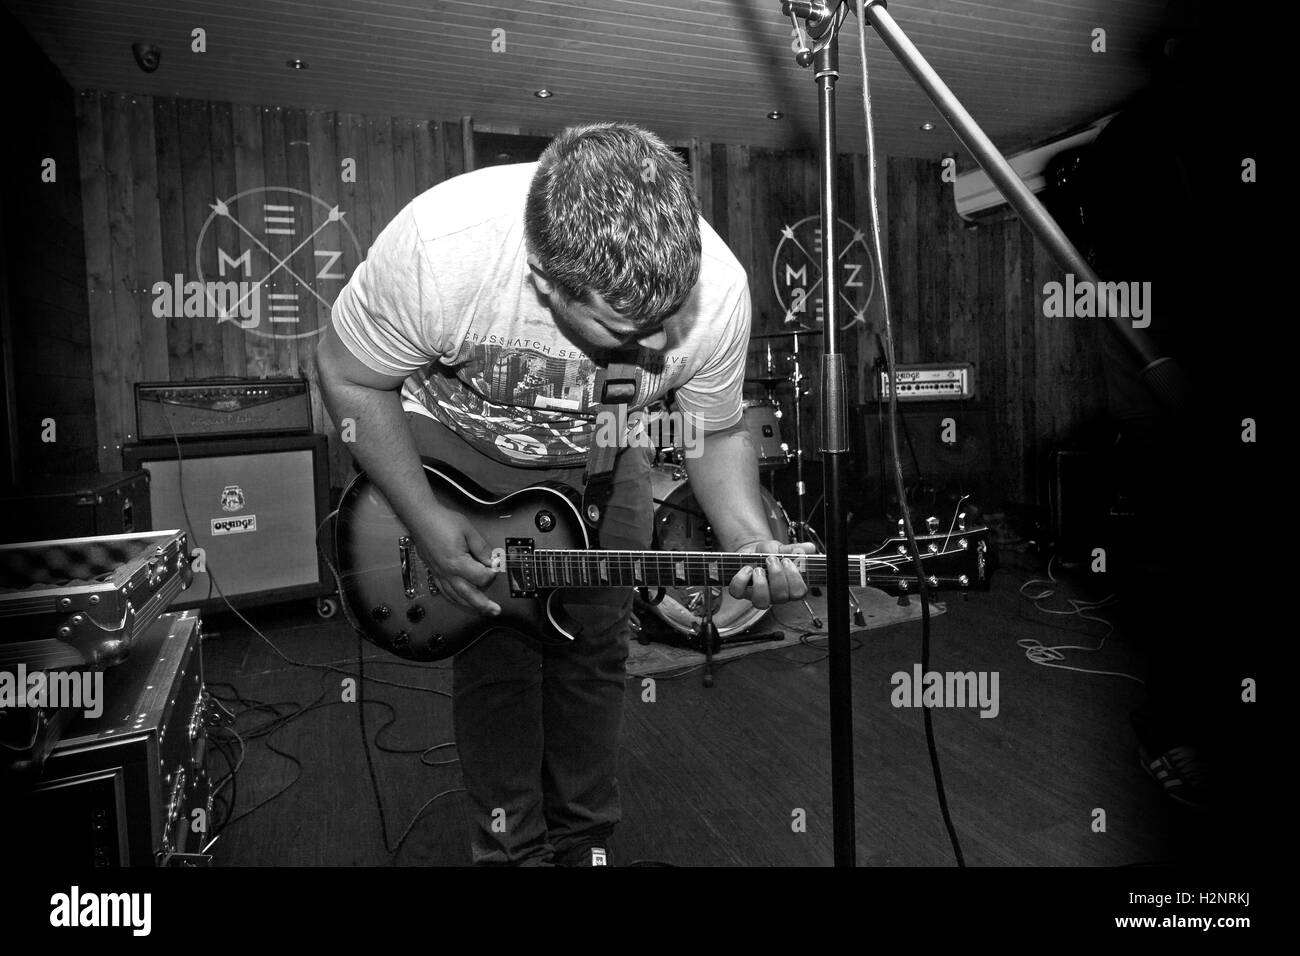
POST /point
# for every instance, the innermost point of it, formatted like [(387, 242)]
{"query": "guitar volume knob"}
[(415, 613), (380, 612)]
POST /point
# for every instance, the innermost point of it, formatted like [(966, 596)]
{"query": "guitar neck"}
[(664, 569)]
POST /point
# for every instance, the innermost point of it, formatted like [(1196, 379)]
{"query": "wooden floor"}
[(714, 777)]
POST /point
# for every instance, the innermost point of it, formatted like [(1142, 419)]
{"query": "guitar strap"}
[(615, 386)]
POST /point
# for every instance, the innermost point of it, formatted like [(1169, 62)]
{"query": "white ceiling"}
[(707, 68)]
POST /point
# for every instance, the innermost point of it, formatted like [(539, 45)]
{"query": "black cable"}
[(907, 436), (365, 742), (267, 730), (922, 585)]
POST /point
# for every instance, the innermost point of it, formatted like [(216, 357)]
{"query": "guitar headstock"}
[(955, 558)]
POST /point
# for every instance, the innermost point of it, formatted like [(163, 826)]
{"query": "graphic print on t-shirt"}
[(524, 405), (530, 378)]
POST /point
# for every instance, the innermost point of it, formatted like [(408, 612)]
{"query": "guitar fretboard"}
[(577, 569)]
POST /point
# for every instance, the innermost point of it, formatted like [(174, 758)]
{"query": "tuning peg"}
[(932, 524)]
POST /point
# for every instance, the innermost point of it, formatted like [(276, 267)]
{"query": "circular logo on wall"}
[(271, 260), (797, 273)]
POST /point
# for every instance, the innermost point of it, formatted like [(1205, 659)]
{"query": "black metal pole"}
[(1163, 376), (834, 446)]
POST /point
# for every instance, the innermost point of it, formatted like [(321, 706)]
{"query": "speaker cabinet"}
[(252, 505), (944, 447)]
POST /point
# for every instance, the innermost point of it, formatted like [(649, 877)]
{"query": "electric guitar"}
[(541, 547)]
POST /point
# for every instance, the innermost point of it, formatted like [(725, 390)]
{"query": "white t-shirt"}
[(445, 296)]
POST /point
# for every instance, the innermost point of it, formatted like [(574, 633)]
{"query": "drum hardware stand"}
[(709, 635), (706, 633), (859, 618), (770, 386), (802, 530)]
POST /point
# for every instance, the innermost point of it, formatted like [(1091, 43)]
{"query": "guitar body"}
[(386, 585)]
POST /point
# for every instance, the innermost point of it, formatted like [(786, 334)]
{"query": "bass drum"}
[(680, 525)]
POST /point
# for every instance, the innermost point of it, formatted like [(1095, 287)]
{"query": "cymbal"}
[(786, 335), (768, 381)]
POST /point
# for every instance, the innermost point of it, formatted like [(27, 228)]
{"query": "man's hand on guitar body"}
[(778, 581), (460, 560)]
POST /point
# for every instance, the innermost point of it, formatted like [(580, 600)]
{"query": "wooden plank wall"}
[(973, 293), (151, 168), (958, 293), (43, 322)]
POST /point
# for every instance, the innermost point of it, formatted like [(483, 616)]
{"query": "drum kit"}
[(680, 524)]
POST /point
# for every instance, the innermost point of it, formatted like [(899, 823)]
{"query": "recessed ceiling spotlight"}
[(543, 94), (927, 126), (775, 115), (296, 64)]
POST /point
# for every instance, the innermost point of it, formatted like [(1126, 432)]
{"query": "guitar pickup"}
[(405, 552), (519, 567)]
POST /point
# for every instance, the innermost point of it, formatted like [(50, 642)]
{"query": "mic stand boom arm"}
[(1162, 375)]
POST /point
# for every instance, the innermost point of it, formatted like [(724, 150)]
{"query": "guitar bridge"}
[(519, 567)]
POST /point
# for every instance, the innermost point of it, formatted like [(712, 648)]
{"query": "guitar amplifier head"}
[(217, 407)]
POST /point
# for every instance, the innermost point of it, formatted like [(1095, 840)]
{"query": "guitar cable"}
[(899, 488), (1049, 656)]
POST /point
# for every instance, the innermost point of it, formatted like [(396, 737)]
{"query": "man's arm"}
[(384, 447), (724, 479)]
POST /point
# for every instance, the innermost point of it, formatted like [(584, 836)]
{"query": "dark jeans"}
[(537, 727)]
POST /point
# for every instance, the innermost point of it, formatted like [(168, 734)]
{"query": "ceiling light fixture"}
[(927, 126), (775, 115), (296, 64), (543, 94)]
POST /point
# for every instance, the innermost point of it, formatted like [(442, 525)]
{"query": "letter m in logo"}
[(224, 260), (790, 274)]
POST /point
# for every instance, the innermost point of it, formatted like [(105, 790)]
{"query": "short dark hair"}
[(612, 209)]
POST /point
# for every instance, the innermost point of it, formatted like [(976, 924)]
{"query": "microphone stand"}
[(834, 440)]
